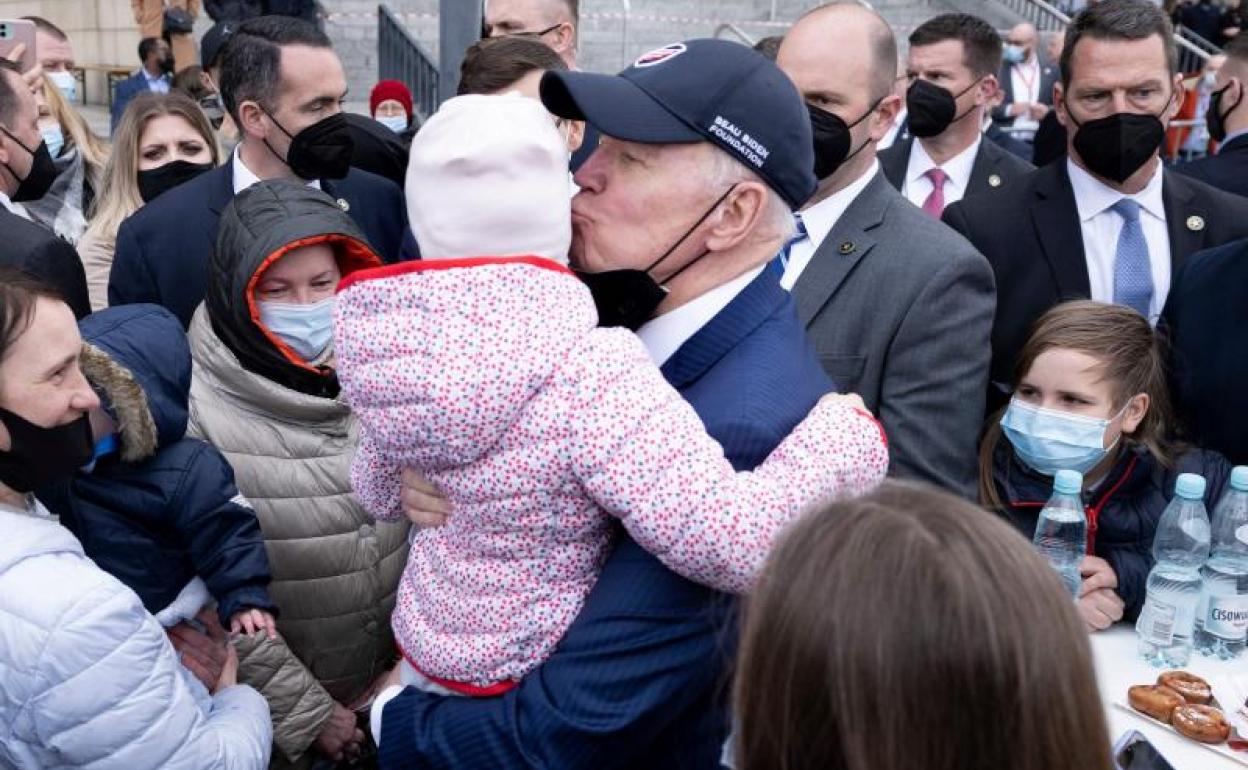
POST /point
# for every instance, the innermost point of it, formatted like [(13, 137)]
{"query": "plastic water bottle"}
[(1222, 616), (1180, 548), (1062, 529)]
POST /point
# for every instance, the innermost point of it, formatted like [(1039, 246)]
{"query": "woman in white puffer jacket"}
[(87, 677)]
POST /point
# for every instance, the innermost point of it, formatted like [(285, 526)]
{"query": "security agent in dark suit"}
[(1026, 81), (26, 173), (1109, 222), (1227, 119), (1205, 319), (282, 84), (898, 306), (153, 75), (952, 66)]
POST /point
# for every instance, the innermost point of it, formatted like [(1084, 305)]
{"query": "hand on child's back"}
[(423, 503), (852, 400)]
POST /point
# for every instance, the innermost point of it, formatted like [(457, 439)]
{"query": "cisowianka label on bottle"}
[(1227, 616)]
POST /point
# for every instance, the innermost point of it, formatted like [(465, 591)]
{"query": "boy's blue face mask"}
[(103, 448), (1048, 441)]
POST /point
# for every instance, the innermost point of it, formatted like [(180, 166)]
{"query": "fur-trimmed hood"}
[(138, 360)]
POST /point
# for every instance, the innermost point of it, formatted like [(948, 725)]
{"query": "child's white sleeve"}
[(643, 455)]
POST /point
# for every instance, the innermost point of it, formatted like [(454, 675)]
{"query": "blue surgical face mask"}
[(53, 137), (66, 82), (1048, 441), (396, 123), (1013, 54), (307, 329)]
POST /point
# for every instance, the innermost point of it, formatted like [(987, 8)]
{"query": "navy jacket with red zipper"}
[(1123, 510)]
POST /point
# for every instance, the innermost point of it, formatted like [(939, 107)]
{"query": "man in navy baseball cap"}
[(706, 149), (695, 91)]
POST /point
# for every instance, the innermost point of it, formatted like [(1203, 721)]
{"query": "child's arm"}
[(376, 480), (643, 455), (222, 533)]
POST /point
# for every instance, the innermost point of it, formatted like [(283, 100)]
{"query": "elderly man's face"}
[(636, 201)]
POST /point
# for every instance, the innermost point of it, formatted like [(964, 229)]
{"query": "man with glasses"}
[(553, 23)]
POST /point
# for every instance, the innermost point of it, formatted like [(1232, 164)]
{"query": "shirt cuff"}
[(379, 705)]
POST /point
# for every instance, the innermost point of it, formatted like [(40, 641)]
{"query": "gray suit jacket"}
[(994, 167), (899, 308)]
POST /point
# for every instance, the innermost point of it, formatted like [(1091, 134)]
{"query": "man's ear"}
[(987, 91), (576, 135), (1176, 101), (252, 119), (738, 215), (1059, 105), (885, 115), (565, 37)]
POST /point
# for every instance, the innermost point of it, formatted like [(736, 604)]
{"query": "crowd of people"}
[(694, 416)]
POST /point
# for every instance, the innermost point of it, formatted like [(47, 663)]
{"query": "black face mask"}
[(1116, 146), (166, 65), (628, 298), (320, 151), (932, 109), (833, 140), (38, 456), (41, 175), (1215, 118), (155, 181)]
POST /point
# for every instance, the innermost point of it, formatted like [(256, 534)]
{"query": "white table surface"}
[(1118, 666)]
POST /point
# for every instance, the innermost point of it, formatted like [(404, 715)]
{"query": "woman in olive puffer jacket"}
[(274, 412)]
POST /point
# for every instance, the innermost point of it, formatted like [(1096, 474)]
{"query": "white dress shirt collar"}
[(957, 169), (1092, 196), (819, 220), (243, 178), (14, 208), (664, 335)]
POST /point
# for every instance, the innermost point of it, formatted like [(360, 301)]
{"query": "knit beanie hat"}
[(488, 176), (390, 89)]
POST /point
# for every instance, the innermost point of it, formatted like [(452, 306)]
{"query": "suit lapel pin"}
[(342, 204), (1195, 223), (847, 248), (994, 181)]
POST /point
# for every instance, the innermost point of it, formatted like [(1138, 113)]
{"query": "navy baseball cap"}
[(214, 40), (695, 91)]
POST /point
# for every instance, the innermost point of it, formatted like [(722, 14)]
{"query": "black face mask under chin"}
[(833, 140), (38, 456), (41, 175), (932, 109), (1118, 145), (629, 297)]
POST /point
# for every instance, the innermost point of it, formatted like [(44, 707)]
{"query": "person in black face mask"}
[(283, 87), (44, 398), (163, 141), (1227, 119), (952, 66), (25, 175), (918, 352), (154, 76), (1109, 222)]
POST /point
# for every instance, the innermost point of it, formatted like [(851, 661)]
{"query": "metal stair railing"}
[(1194, 50), (401, 57)]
